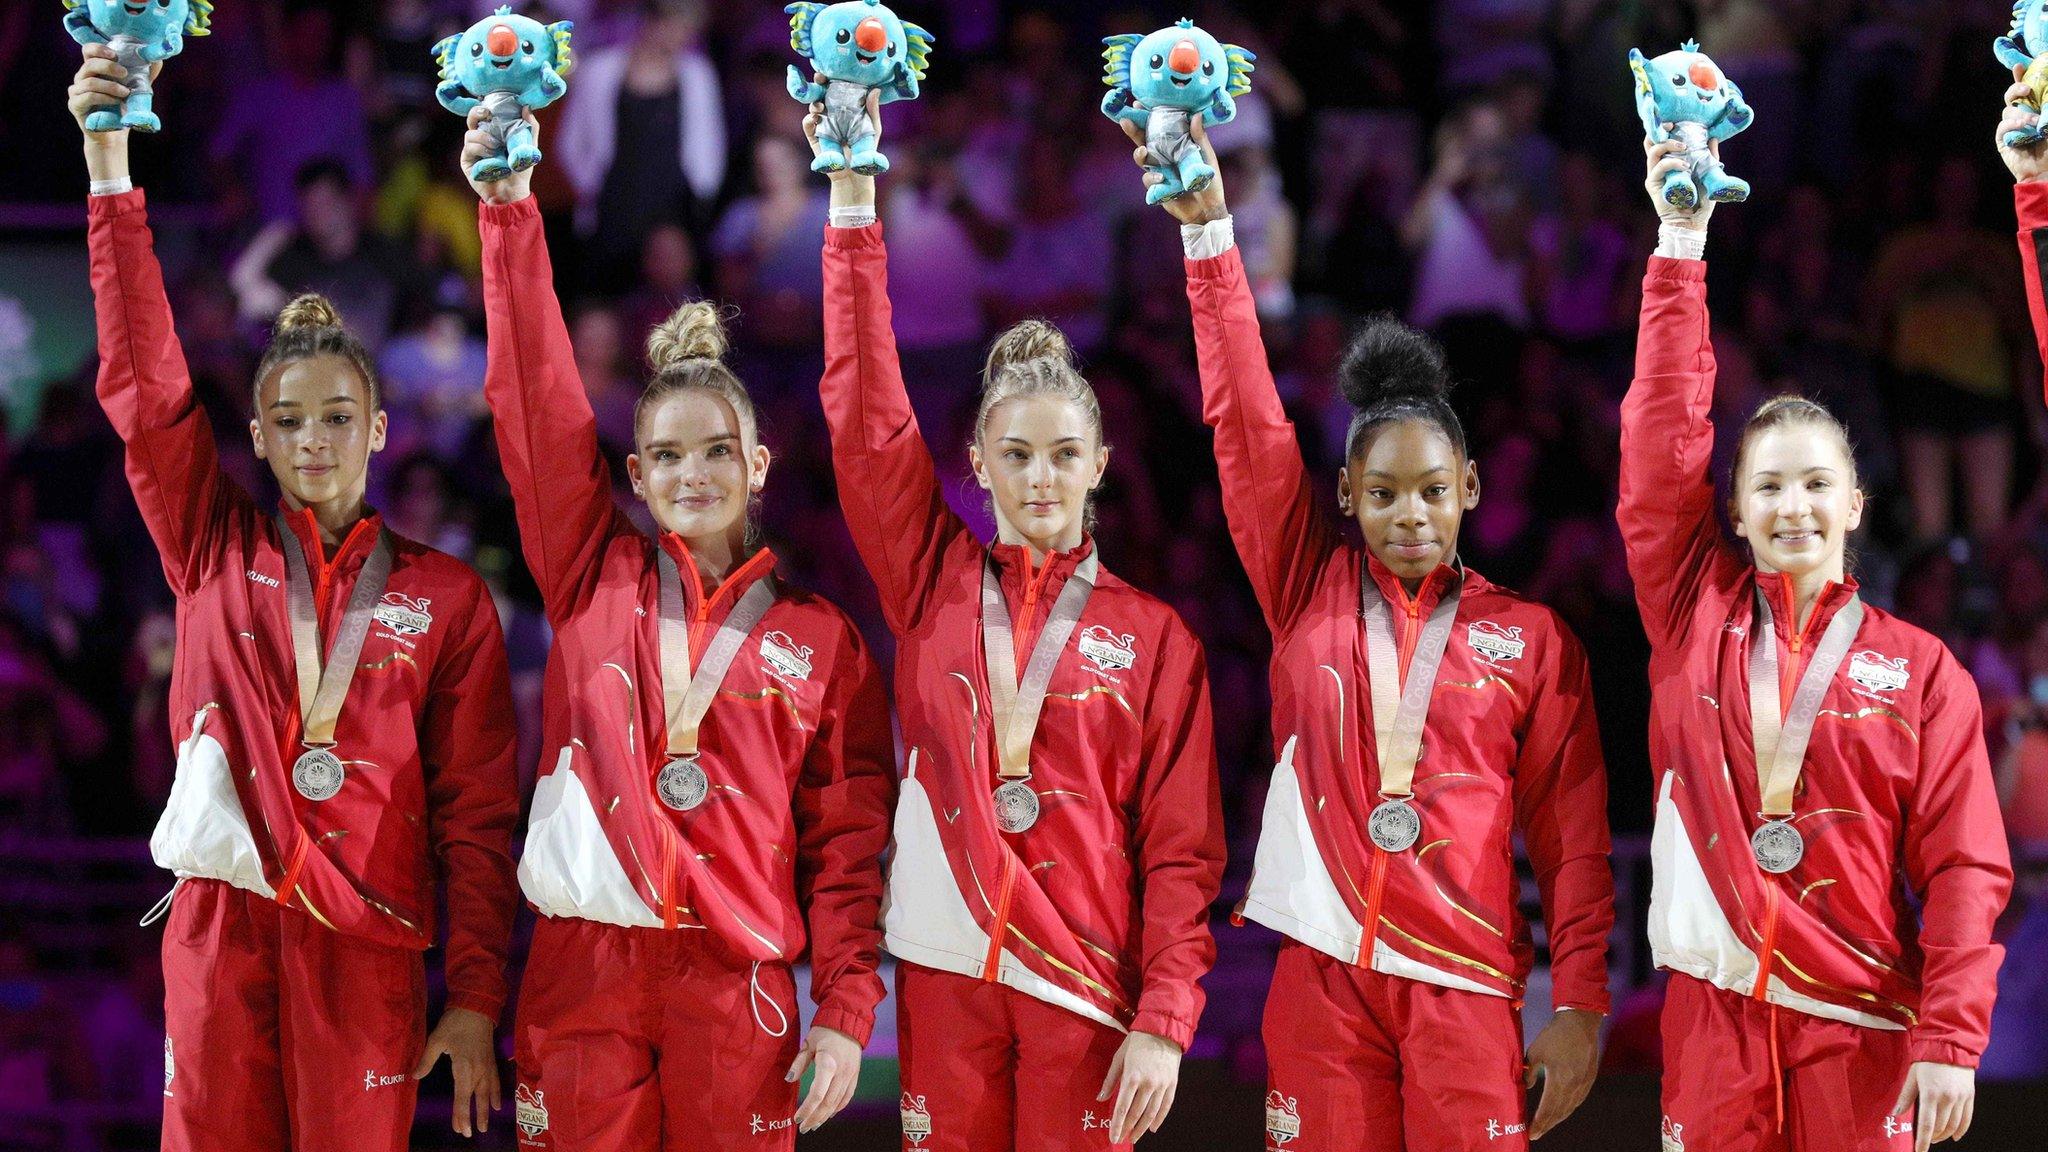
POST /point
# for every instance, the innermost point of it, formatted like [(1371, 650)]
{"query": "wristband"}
[(1681, 243), (853, 216), (114, 187), (1203, 241)]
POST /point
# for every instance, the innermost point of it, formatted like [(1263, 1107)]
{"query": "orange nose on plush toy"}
[(870, 35), (1704, 75), (1185, 57), (503, 41)]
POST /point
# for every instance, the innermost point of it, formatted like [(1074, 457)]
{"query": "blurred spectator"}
[(279, 122), (767, 245), (643, 136), (1467, 227), (1056, 261), (326, 250), (1579, 257), (43, 1058), (668, 276), (433, 382)]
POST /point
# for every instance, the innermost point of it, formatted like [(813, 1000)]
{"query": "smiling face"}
[(1409, 490), (316, 428), (1039, 458), (143, 19), (1795, 499), (1179, 67), (693, 466), (858, 41)]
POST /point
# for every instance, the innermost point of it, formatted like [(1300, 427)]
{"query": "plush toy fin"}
[(1240, 61), (444, 55), (1116, 59), (560, 30), (199, 19), (802, 16), (918, 53)]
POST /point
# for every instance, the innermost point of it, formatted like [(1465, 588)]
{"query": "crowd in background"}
[(1472, 165)]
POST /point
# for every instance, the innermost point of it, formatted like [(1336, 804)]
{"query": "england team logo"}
[(1493, 643), (530, 1112), (403, 614), (1672, 1137), (1283, 1118), (785, 657), (917, 1122), (1107, 650), (1878, 672)]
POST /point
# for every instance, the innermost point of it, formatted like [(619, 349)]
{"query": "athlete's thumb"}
[(1116, 1070), (435, 1050), (796, 1067), (1529, 1070), (1909, 1091)]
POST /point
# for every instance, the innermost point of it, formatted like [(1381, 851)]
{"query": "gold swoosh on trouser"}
[(1450, 955), (1873, 712), (1480, 685), (764, 695), (631, 706), (1911, 1016)]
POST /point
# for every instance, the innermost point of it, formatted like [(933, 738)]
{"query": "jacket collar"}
[(760, 564), (349, 554), (1433, 585), (1778, 589), (1017, 570)]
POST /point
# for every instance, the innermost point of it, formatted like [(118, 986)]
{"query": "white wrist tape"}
[(855, 216), (112, 187), (1681, 243)]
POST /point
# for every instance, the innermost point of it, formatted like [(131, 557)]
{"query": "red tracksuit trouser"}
[(652, 1040), (1743, 1075), (987, 1068), (1359, 1061), (283, 1034)]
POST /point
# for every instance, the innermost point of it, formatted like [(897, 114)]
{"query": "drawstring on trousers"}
[(161, 908), (755, 997)]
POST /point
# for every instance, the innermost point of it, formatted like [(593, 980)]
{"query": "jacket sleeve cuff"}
[(848, 239), (859, 1025), (1665, 268), (478, 1002), (1179, 1031), (118, 204), (2030, 203), (1225, 266), (1939, 1052), (505, 215)]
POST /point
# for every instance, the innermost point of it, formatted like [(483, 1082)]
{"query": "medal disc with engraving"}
[(682, 784), (1394, 826), (317, 774), (1016, 806), (1778, 846)]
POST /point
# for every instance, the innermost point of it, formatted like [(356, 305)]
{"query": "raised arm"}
[(888, 487), (144, 384), (2028, 163), (547, 434), (1282, 537), (1666, 510)]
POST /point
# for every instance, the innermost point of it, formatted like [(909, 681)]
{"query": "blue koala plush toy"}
[(1160, 82), (1688, 91), (857, 46), (2021, 48), (140, 35), (509, 64)]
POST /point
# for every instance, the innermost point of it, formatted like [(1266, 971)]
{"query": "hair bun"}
[(695, 331), (1025, 341), (308, 310), (1388, 360)]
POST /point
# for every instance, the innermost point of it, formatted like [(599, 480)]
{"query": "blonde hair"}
[(1033, 358), (310, 326), (687, 351), (1788, 411)]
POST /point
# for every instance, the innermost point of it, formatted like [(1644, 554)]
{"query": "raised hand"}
[(2026, 159), (1189, 207), (1664, 159), (478, 144)]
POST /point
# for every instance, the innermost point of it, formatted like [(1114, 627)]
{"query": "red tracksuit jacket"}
[(427, 730), (1102, 906), (1896, 790), (797, 741), (1510, 743)]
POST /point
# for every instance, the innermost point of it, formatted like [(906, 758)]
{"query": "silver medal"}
[(317, 774), (682, 784), (1394, 826), (1016, 806), (1778, 846)]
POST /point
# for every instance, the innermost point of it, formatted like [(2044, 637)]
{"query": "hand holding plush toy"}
[(1161, 81), (140, 35), (1688, 91), (2029, 30), (856, 47), (509, 64)]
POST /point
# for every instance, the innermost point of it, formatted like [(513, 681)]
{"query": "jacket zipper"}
[(1770, 941)]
